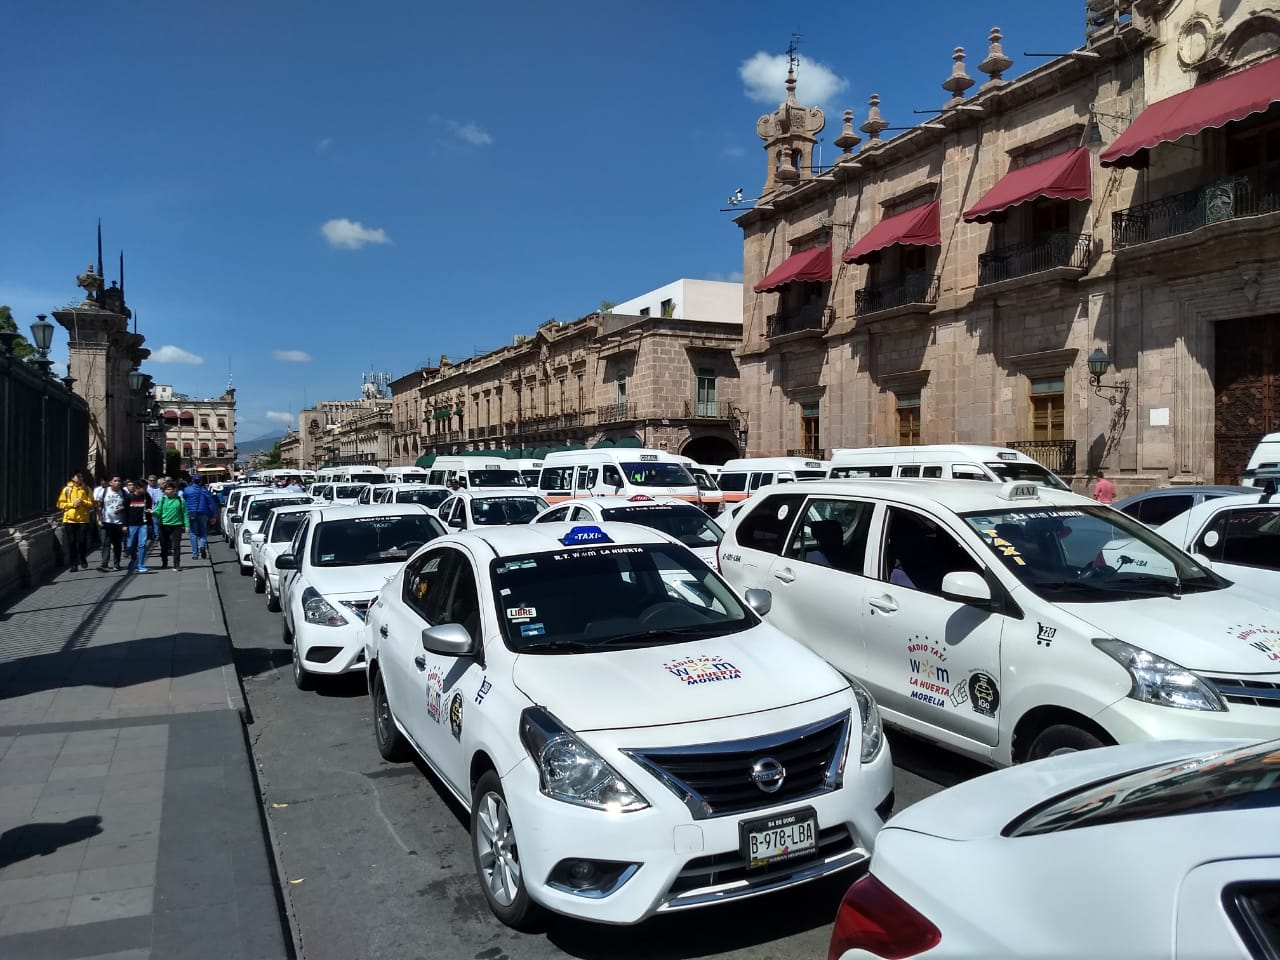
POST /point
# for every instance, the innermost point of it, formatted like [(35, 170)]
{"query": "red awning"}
[(808, 266), (915, 228), (1064, 177), (1208, 106)]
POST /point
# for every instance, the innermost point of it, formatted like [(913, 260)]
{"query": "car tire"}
[(1061, 738), (391, 742), (244, 571), (302, 678), (286, 635), (497, 856), (273, 602), (259, 584)]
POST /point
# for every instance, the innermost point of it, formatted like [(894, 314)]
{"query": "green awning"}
[(426, 460), (575, 445), (539, 453), (606, 442), (629, 442)]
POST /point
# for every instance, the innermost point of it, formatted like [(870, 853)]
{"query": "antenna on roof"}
[(793, 50)]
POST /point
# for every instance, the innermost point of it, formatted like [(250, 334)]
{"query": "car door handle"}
[(420, 662), (785, 574), (883, 604), (383, 629)]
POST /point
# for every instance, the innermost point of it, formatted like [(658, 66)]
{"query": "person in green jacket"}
[(171, 515)]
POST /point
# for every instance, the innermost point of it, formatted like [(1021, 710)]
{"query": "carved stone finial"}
[(791, 84), (786, 167), (847, 139), (959, 81), (91, 283), (874, 122), (996, 63)]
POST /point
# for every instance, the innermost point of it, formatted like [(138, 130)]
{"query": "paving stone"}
[(25, 771), (65, 807), (39, 915), (110, 905), (62, 860), (124, 877), (44, 887), (73, 787), (141, 851), (79, 771)]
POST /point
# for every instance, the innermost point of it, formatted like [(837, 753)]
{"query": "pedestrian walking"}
[(98, 533), (1104, 491), (200, 510), (113, 516), (76, 503), (171, 515), (155, 490), (137, 518)]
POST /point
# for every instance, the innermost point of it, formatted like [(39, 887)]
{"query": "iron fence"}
[(708, 409), (812, 317), (1056, 455), (1035, 256), (615, 412), (916, 287), (1249, 193)]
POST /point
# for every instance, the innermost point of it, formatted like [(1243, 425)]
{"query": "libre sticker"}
[(521, 613), (455, 716), (1045, 635), (984, 695), (783, 511), (692, 671), (1211, 538), (435, 695), (532, 630), (485, 686)]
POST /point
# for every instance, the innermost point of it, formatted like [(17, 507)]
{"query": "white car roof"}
[(512, 540), (297, 508), (482, 493), (418, 486), (1177, 529), (608, 503), (349, 511), (958, 496)]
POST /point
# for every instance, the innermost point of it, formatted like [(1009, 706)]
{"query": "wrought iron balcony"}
[(811, 317), (1247, 194), (1034, 256), (616, 412), (708, 409), (916, 287), (1056, 455)]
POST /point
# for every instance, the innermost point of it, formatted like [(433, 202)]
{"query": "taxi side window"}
[(612, 478), (961, 471), (934, 472), (556, 516), (1245, 536), (918, 552), (911, 471), (299, 539), (833, 534), (556, 478), (587, 477), (767, 526), (464, 599), (426, 585)]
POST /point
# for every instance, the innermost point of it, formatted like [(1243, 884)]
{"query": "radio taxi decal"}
[(929, 679), (692, 671), (1264, 639), (435, 695)]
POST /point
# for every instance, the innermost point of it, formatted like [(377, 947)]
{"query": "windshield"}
[(360, 540), (494, 478), (811, 475), (650, 474), (496, 511), (1088, 553), (428, 498), (356, 477), (611, 597), (704, 480), (1030, 472), (285, 526), (258, 509), (1243, 779), (347, 491), (1249, 536), (689, 525), (530, 477)]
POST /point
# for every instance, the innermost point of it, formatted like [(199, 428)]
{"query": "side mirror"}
[(258, 538), (448, 639), (458, 523), (286, 561), (966, 587), (235, 518), (761, 601)]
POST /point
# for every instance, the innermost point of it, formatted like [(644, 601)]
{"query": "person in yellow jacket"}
[(76, 503)]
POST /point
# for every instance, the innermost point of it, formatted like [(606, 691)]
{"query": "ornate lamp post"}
[(42, 338)]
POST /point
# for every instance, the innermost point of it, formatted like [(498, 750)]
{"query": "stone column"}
[(95, 360)]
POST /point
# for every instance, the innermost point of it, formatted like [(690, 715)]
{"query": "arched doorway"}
[(711, 450)]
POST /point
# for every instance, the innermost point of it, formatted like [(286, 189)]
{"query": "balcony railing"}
[(916, 287), (1056, 455), (708, 409), (814, 316), (1247, 194), (809, 453), (615, 412), (1034, 256)]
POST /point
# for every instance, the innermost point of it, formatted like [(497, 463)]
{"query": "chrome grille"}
[(1255, 693), (359, 607), (716, 780), (721, 868)]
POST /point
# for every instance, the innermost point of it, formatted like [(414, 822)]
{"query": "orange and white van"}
[(611, 471), (710, 496), (739, 479)]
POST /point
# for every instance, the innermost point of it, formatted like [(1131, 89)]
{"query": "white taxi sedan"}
[(252, 514), (689, 524), (1009, 622), (339, 559), (622, 749), (268, 543), (492, 507), (1239, 537), (1165, 849)]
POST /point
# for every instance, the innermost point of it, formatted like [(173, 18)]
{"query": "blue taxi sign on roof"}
[(583, 535)]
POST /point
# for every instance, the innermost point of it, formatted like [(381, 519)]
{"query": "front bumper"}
[(330, 650), (1257, 718)]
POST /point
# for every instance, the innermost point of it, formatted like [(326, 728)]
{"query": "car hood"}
[(981, 808), (749, 672), (362, 581), (1220, 631)]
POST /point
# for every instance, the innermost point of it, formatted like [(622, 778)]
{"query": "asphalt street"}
[(375, 862)]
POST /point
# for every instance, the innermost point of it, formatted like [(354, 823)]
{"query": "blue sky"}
[(480, 168)]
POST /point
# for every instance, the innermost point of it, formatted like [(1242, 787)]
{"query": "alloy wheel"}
[(498, 854)]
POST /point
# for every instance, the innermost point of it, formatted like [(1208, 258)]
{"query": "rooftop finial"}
[(793, 61), (874, 123), (996, 63), (959, 81), (847, 139)]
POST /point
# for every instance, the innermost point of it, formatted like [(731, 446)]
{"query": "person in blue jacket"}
[(201, 507)]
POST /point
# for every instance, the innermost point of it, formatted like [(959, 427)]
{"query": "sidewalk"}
[(130, 822)]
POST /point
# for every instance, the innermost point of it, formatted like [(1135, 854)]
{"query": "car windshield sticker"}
[(1264, 639), (783, 511), (521, 613), (692, 671), (1003, 547), (532, 630), (606, 552), (1211, 538), (435, 695), (580, 536), (1045, 635), (485, 686), (455, 716), (327, 557), (517, 565)]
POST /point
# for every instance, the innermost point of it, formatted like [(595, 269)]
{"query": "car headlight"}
[(1160, 681), (244, 536), (872, 730), (316, 609), (571, 771)]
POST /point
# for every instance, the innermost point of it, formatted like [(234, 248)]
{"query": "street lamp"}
[(42, 337), (1099, 363)]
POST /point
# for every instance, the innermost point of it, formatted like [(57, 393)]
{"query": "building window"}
[(706, 392), (620, 387), (1048, 410), (204, 423), (563, 408), (668, 308), (186, 450), (810, 424), (908, 409), (1050, 217), (580, 393), (644, 311)]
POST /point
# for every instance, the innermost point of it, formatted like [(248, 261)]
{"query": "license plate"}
[(781, 837)]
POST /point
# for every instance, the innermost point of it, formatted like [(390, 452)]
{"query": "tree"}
[(172, 463), (606, 306), (21, 348), (272, 459)]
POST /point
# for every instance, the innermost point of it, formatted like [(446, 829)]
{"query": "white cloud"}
[(171, 354), (764, 79), (347, 234), (474, 135), (734, 151), (292, 356), (324, 144), (732, 277), (278, 416)]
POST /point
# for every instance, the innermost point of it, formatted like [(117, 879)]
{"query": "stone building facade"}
[(952, 283), (203, 431), (336, 432), (662, 379)]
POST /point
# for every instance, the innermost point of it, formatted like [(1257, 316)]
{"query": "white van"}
[(740, 478), (1265, 460), (529, 469), (614, 471), (475, 472), (406, 475), (942, 461), (710, 496)]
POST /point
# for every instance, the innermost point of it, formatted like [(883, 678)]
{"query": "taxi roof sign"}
[(580, 536), (1019, 490)]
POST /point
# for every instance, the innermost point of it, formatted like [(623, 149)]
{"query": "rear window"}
[(497, 511), (494, 478), (428, 498), (1008, 470), (689, 525), (259, 509), (285, 527), (767, 526), (348, 491), (360, 540), (735, 482), (1254, 908)]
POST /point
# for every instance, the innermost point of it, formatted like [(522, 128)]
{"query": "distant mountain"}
[(261, 444)]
